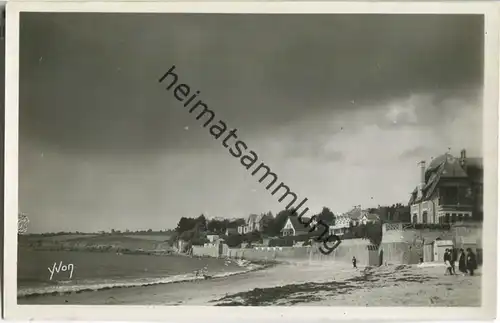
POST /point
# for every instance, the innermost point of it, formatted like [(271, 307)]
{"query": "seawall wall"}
[(365, 253)]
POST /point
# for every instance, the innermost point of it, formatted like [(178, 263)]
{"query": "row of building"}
[(342, 223), (354, 217), (450, 190)]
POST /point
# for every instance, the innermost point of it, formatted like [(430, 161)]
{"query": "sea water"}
[(104, 270)]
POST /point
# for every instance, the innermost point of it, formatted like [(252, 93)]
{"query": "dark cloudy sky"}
[(342, 107)]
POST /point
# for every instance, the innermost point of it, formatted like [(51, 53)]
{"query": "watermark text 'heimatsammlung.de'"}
[(248, 158)]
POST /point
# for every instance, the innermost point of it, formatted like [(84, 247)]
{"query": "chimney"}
[(422, 173), (422, 178), (463, 159)]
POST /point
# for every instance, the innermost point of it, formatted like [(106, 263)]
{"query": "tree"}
[(268, 224), (185, 224), (236, 223), (214, 225), (370, 231), (327, 216), (198, 239), (254, 236), (186, 235), (218, 226), (234, 240), (201, 223), (173, 238), (373, 232)]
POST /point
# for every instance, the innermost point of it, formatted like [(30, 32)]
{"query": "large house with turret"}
[(450, 190)]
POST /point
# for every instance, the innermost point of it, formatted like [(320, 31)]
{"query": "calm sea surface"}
[(99, 270)]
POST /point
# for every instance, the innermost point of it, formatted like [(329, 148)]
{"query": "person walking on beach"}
[(453, 259), (461, 262), (447, 262), (471, 261), (354, 262)]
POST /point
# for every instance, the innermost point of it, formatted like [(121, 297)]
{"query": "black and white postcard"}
[(245, 160)]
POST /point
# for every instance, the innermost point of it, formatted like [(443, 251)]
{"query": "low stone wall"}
[(399, 253), (210, 251), (467, 235), (365, 253), (252, 254), (406, 246), (275, 253), (399, 246)]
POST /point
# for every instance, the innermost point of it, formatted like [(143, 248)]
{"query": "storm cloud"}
[(303, 90)]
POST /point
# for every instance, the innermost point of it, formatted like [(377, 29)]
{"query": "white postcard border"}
[(288, 314)]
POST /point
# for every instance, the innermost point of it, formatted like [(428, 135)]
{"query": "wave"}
[(140, 282)]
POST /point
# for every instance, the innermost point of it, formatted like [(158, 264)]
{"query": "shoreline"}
[(249, 267), (298, 284), (188, 292)]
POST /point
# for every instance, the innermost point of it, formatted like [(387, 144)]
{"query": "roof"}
[(441, 167), (342, 217), (436, 162), (341, 221), (372, 216), (355, 213), (254, 218), (299, 227)]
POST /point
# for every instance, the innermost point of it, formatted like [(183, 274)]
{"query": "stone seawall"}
[(399, 245), (365, 253), (402, 245), (211, 251)]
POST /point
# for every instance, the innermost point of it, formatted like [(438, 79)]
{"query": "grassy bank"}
[(140, 244)]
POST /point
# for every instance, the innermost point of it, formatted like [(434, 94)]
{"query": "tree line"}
[(194, 230)]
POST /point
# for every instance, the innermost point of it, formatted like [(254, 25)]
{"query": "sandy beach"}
[(301, 283)]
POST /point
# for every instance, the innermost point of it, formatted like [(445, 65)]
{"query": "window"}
[(453, 217), (460, 217), (414, 220), (447, 218), (424, 217)]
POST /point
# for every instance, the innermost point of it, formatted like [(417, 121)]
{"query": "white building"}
[(369, 218), (213, 237), (293, 227), (254, 223), (342, 223)]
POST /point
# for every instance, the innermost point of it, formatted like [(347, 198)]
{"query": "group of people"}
[(466, 261)]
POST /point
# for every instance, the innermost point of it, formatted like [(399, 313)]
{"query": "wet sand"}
[(323, 284), (411, 286)]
